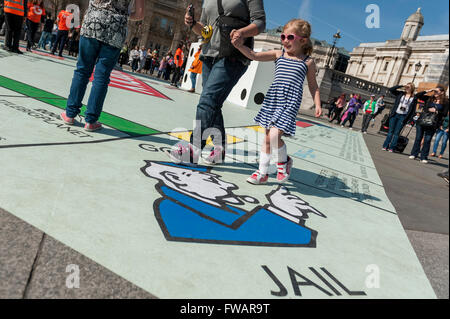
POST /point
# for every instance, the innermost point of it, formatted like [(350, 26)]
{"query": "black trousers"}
[(176, 75), (61, 39), (32, 28), (13, 30), (2, 20)]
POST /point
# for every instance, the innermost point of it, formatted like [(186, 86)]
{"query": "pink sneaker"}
[(284, 171), (181, 154), (258, 179), (93, 127), (217, 156), (66, 119)]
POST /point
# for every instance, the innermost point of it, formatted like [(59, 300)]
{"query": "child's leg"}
[(278, 145), (264, 158)]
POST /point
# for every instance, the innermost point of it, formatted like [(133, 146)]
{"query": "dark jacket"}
[(398, 97), (428, 104)]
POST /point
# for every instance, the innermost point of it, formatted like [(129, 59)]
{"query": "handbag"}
[(428, 120), (226, 24)]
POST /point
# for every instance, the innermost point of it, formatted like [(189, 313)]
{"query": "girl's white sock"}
[(264, 163), (282, 154)]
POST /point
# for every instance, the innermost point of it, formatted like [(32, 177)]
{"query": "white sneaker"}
[(412, 157), (258, 179), (424, 161)]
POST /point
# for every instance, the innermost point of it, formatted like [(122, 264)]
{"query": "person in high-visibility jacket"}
[(35, 13), (15, 11), (196, 68), (178, 59)]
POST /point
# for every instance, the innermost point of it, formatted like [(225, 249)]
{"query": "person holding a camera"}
[(402, 112), (434, 112), (223, 66)]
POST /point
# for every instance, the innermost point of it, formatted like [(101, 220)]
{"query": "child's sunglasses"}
[(290, 37)]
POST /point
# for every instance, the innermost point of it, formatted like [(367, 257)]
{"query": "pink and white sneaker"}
[(93, 127), (258, 179), (284, 171), (217, 156), (67, 120), (181, 154)]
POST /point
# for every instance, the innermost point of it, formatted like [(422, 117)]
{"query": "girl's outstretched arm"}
[(256, 56), (313, 87)]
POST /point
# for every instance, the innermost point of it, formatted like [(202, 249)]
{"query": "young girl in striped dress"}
[(282, 103)]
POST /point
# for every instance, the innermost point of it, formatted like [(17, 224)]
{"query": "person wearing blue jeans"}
[(103, 33), (427, 135), (396, 124), (102, 57), (219, 79), (401, 113), (223, 66), (441, 135)]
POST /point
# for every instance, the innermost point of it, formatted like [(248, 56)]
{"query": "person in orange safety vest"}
[(15, 11), (35, 13), (196, 68), (178, 59)]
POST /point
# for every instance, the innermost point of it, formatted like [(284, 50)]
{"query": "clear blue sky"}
[(326, 16)]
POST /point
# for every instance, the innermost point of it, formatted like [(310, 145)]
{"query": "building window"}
[(386, 66), (409, 68), (363, 68)]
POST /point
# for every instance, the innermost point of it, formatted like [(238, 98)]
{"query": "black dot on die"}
[(259, 98), (243, 94)]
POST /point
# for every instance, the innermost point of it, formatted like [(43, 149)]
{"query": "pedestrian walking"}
[(15, 11), (403, 111), (178, 60), (223, 66), (124, 56), (46, 35), (352, 112), (134, 57), (278, 116), (340, 106), (434, 112), (162, 67), (64, 22), (368, 110), (379, 108), (35, 12), (103, 34), (442, 134), (196, 69)]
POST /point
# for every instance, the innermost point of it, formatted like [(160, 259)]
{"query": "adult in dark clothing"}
[(436, 104), (15, 11), (2, 15), (35, 12), (402, 112), (46, 35), (339, 107), (64, 22), (332, 107)]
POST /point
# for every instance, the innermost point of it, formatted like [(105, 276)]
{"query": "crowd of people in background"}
[(343, 110), (166, 66)]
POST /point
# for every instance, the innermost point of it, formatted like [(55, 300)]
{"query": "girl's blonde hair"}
[(302, 28)]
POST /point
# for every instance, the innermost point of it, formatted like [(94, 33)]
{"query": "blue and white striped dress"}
[(283, 100)]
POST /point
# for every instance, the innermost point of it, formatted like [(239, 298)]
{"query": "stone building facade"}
[(163, 27), (394, 62)]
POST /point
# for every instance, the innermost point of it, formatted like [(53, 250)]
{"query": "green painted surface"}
[(123, 125)]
